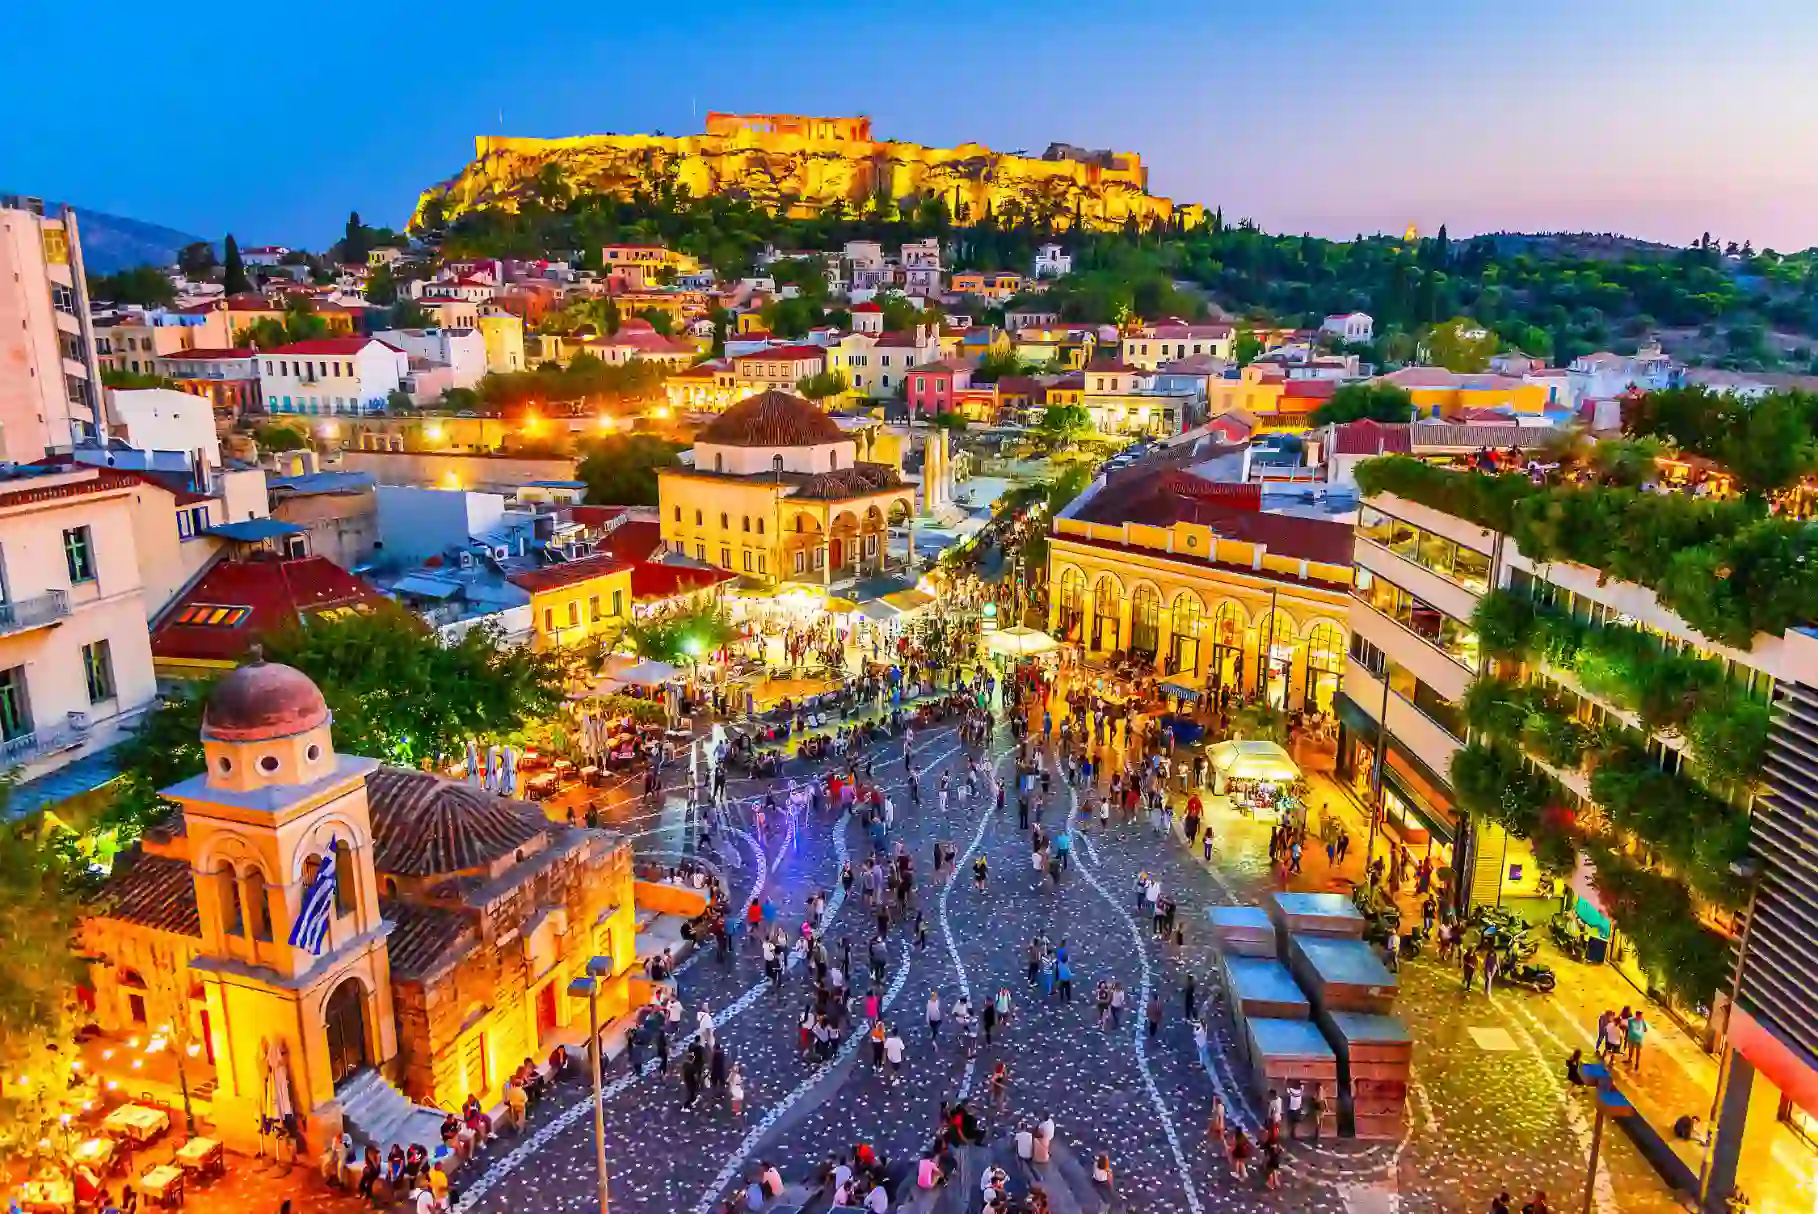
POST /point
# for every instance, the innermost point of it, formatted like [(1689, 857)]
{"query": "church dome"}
[(771, 419), (263, 701)]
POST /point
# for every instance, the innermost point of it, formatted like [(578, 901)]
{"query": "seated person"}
[(1688, 1129), (928, 1173)]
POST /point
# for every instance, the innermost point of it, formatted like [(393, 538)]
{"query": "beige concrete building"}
[(75, 658), (50, 381)]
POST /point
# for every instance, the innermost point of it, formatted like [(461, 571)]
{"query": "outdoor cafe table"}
[(97, 1153), (163, 1184), (136, 1123), (47, 1197), (202, 1156)]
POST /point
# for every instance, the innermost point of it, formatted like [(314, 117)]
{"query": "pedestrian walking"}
[(934, 1016)]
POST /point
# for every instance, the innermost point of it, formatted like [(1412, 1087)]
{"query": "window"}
[(697, 518), (593, 609), (192, 522), (747, 562), (15, 708), (79, 555), (549, 619), (618, 602), (760, 523), (1419, 617), (725, 521), (801, 562), (98, 668), (700, 552), (760, 564), (1464, 566), (574, 613), (746, 520), (725, 557), (678, 514), (212, 615)]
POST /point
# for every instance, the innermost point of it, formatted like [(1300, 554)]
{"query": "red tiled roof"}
[(1233, 511), (105, 480), (1367, 437), (200, 355), (249, 302), (426, 825), (867, 306), (593, 516), (1310, 389), (771, 419), (277, 592), (158, 892), (651, 581), (1110, 366), (332, 345), (568, 573), (786, 353), (633, 540)]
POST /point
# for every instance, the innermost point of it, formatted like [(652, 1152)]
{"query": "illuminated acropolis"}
[(809, 164)]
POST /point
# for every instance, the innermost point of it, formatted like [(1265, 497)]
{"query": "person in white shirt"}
[(1046, 1129), (1025, 1144), (423, 1201), (893, 1053), (842, 1174), (878, 1200), (703, 1025)]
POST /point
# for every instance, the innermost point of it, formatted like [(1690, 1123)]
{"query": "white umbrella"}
[(278, 1076), (508, 778), (1252, 760), (1020, 642), (492, 769), (473, 760)]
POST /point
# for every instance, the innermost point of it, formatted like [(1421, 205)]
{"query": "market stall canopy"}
[(1179, 691), (1020, 642), (622, 670), (1255, 760), (896, 606), (839, 606)]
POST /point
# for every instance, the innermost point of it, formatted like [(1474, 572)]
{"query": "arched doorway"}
[(345, 1015), (1145, 622), (1183, 644), (1325, 665), (1275, 645), (1228, 647), (1072, 604), (1107, 610)]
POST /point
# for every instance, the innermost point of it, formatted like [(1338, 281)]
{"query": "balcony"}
[(39, 611), (36, 744)]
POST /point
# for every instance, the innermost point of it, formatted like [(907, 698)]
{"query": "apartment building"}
[(50, 391), (332, 375), (75, 659)]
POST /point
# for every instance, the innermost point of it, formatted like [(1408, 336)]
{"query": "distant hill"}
[(1601, 246), (111, 243)]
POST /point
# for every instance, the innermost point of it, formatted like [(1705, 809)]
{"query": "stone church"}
[(458, 919)]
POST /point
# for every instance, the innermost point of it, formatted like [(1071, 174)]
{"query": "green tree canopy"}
[(677, 639), (115, 378), (233, 270), (1372, 399), (381, 287), (621, 469), (397, 691), (146, 286), (276, 436), (1460, 344), (197, 259), (822, 384), (1065, 421)]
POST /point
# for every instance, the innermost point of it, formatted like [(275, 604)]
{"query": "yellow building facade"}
[(1213, 611), (577, 601), (778, 492)]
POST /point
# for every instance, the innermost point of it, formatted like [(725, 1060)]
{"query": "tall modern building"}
[(1485, 687), (50, 381)]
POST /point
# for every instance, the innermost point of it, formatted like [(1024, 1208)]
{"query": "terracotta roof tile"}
[(568, 573), (632, 540), (152, 891), (425, 825), (275, 592), (652, 581), (426, 938), (771, 419), (857, 481), (1367, 437)]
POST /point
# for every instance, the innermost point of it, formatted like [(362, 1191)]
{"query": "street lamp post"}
[(587, 987), (1748, 870)]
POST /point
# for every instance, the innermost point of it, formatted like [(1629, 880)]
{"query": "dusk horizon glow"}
[(1644, 122)]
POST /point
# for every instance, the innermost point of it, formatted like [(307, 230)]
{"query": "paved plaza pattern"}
[(1489, 1108)]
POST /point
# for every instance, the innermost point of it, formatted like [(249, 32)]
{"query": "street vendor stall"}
[(1019, 642), (1257, 775)]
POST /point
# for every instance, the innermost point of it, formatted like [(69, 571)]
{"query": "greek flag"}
[(311, 930)]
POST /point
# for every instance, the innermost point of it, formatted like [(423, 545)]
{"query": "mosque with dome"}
[(457, 920)]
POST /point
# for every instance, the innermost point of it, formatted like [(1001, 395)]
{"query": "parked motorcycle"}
[(1532, 975), (1568, 935)]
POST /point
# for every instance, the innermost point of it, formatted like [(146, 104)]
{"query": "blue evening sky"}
[(1659, 119)]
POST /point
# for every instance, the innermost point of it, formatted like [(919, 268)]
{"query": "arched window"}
[(1275, 645), (1227, 646), (344, 878), (258, 906), (227, 891), (1107, 607), (1188, 619), (1072, 603), (1325, 665), (1145, 621)]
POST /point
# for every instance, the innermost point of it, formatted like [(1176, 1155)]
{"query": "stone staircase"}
[(377, 1114)]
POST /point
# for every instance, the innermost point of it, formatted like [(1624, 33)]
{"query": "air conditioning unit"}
[(467, 560)]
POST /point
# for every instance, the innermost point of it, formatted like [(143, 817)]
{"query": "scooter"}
[(1533, 976), (1567, 935)]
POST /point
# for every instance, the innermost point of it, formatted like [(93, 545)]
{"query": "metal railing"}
[(34, 612)]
